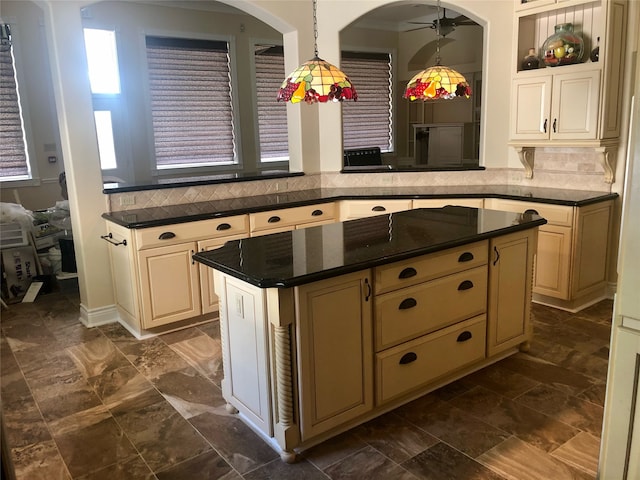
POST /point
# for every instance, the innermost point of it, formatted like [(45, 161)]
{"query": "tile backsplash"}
[(566, 168)]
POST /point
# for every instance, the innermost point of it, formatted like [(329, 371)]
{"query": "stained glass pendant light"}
[(438, 81), (316, 80)]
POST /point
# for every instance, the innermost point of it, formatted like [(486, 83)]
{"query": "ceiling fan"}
[(447, 24)]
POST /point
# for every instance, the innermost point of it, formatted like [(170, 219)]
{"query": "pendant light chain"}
[(315, 29), (438, 34)]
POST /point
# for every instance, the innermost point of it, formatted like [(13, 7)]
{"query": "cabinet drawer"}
[(554, 214), (416, 363), (291, 216), (405, 314), (350, 209), (420, 269), (191, 231)]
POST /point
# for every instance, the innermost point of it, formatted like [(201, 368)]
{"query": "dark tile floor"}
[(96, 403)]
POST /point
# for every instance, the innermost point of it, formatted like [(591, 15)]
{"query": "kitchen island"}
[(326, 327)]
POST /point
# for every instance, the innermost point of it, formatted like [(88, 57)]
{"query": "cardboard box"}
[(18, 270)]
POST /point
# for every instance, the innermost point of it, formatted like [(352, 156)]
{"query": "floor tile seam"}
[(577, 466), (310, 460)]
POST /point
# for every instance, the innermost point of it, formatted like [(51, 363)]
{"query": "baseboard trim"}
[(98, 316)]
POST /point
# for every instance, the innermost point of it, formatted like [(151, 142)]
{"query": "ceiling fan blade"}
[(462, 20)]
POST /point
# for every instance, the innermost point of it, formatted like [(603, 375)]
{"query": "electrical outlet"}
[(127, 200)]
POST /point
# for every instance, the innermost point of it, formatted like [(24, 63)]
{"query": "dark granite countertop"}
[(302, 256), (156, 216)]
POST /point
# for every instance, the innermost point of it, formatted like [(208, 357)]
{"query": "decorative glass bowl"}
[(564, 47)]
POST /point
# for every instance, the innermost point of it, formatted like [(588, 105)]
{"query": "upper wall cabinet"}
[(569, 105)]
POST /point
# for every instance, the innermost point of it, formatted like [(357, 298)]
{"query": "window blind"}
[(191, 109), (367, 121), (272, 115), (14, 162)]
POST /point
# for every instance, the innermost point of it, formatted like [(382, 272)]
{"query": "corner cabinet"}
[(158, 287), (575, 105), (572, 259)]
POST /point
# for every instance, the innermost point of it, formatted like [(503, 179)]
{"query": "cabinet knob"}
[(407, 303), (465, 257), (274, 219), (378, 208), (166, 236), (408, 273), (316, 213), (223, 226), (466, 285), (408, 358), (464, 336), (531, 211)]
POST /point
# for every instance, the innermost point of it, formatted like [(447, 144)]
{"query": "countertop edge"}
[(333, 198)]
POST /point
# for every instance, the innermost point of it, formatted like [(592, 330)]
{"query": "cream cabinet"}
[(157, 285), (510, 268), (575, 105), (335, 352), (169, 285), (282, 220), (351, 209), (572, 253), (559, 106)]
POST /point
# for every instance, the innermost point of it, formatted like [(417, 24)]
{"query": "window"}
[(191, 109), (367, 122), (14, 160), (104, 77), (272, 115)]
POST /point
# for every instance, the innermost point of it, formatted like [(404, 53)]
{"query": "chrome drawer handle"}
[(465, 257), (379, 209), (317, 213), (223, 226), (408, 273), (166, 236), (274, 219), (466, 285), (408, 358), (407, 303), (464, 336)]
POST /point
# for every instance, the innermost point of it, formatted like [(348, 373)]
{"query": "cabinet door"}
[(168, 284), (123, 269), (335, 351), (553, 261), (575, 106), (208, 296), (531, 108), (510, 282)]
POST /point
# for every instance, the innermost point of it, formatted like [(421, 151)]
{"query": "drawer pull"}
[(408, 358), (317, 213), (531, 211), (407, 303), (466, 285), (464, 336), (465, 257), (166, 236), (408, 273), (223, 226), (274, 219), (378, 208)]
